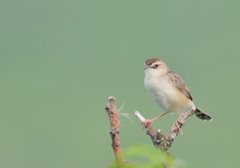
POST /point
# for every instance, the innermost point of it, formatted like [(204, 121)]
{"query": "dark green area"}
[(60, 60)]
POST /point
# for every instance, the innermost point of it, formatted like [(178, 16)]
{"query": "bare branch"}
[(158, 138), (115, 130)]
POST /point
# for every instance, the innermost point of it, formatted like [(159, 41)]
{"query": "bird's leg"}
[(177, 123), (149, 122)]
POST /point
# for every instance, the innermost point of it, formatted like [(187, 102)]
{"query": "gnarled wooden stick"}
[(158, 138), (115, 130)]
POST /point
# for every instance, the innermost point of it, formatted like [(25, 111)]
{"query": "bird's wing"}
[(178, 82)]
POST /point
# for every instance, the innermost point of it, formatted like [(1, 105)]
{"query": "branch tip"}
[(139, 116)]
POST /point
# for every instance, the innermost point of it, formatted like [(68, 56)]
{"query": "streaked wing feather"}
[(179, 83)]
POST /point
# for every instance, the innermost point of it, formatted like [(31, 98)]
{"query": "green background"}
[(60, 60)]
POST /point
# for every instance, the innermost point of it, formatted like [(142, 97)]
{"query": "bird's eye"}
[(156, 65)]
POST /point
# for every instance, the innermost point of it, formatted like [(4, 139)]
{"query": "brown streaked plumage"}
[(151, 60), (178, 82)]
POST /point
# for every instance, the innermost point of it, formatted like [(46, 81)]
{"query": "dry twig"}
[(115, 130), (158, 138)]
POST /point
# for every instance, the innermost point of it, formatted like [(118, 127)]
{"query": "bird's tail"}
[(202, 115)]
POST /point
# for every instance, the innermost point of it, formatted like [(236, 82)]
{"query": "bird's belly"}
[(167, 96)]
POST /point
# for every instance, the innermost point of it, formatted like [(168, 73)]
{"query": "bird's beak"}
[(145, 66)]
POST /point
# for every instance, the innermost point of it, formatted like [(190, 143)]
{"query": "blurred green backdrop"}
[(60, 60)]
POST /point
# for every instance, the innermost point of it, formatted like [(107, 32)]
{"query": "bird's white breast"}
[(165, 94)]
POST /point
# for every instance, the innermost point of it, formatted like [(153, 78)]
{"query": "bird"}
[(169, 91)]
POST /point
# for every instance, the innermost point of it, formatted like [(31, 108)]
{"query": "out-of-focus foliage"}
[(146, 156)]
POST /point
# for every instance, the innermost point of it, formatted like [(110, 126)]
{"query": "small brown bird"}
[(168, 90)]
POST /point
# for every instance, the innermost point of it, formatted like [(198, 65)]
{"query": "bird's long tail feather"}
[(202, 115)]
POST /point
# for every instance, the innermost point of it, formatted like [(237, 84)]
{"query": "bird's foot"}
[(147, 123), (176, 124)]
